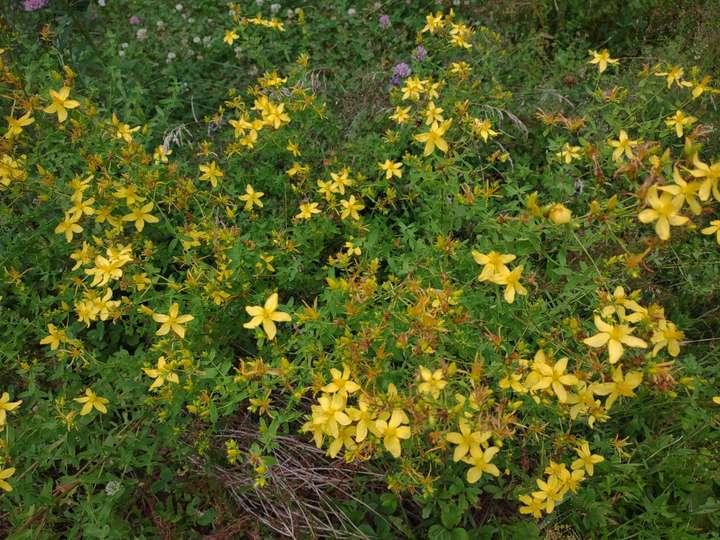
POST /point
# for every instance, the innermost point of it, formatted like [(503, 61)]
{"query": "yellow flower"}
[(364, 417), (392, 431), (434, 137), (554, 377), (161, 373), (433, 114), (60, 103), (172, 321), (679, 120), (55, 337), (401, 115), (293, 148), (230, 37), (433, 23), (351, 207), (484, 129), (341, 382), (568, 153), (587, 460), (614, 337), (550, 493), (664, 212), (251, 198), (211, 172), (412, 88), (123, 131), (532, 506), (328, 414), (141, 216), (4, 475), (673, 74), (69, 226), (602, 59), (667, 335), (266, 315), (688, 191), (699, 87), (559, 214), (494, 263), (466, 439), (623, 146), (341, 180), (7, 405), (161, 153), (391, 169), (307, 210), (714, 228), (621, 386), (511, 280), (480, 461), (90, 401), (16, 125), (711, 178), (432, 382)]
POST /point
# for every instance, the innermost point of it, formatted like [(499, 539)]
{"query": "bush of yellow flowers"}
[(472, 299)]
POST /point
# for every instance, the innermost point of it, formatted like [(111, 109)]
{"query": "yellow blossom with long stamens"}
[(614, 336), (663, 211), (172, 321), (266, 316)]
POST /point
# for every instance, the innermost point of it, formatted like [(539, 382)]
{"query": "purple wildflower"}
[(134, 20), (402, 70), (395, 80), (34, 5), (420, 53), (384, 21)]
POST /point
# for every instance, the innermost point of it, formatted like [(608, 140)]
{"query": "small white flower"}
[(141, 34), (101, 3), (121, 53), (160, 24), (274, 8), (197, 39), (290, 13), (179, 7), (258, 3), (124, 45), (352, 12), (191, 20)]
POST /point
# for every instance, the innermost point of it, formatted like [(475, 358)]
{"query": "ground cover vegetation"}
[(359, 270)]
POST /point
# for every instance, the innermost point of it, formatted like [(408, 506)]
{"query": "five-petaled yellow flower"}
[(433, 138), (480, 461), (602, 59), (493, 263), (92, 401), (391, 169), (391, 431), (511, 280), (266, 315), (4, 475), (307, 210), (16, 125), (663, 211), (466, 439), (211, 172), (432, 382), (172, 321), (7, 405), (623, 146), (351, 207), (251, 198), (140, 216), (161, 373), (614, 336), (587, 460), (680, 121), (60, 103)]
